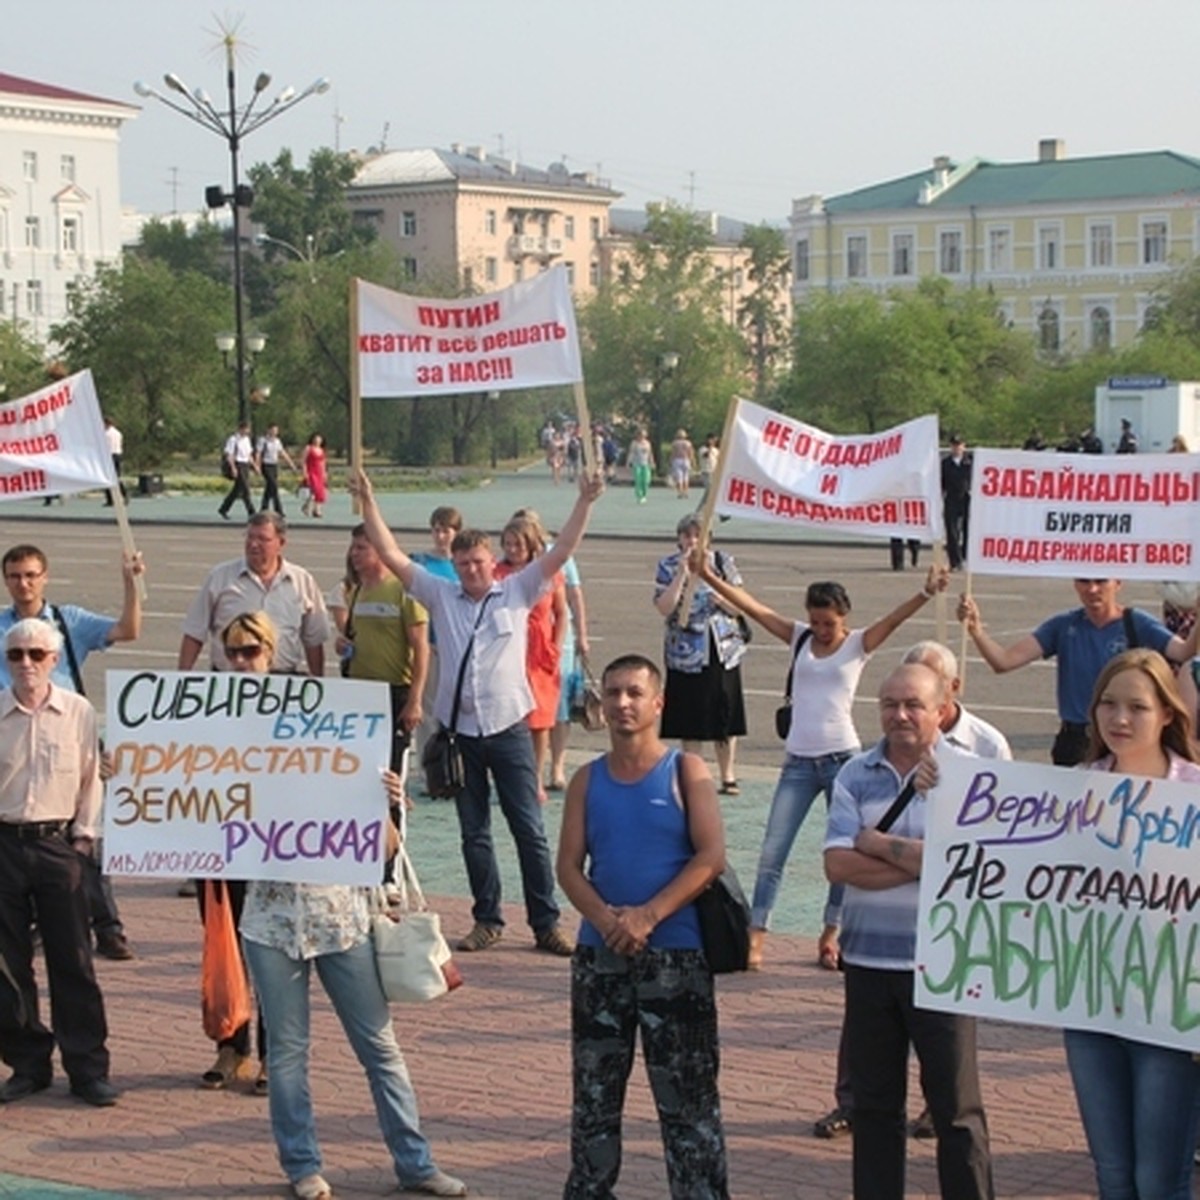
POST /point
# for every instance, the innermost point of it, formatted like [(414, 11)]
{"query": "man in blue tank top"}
[(641, 838)]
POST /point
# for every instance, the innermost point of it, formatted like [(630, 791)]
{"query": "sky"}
[(737, 106)]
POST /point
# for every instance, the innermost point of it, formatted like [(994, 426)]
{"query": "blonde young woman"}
[(290, 931), (523, 540)]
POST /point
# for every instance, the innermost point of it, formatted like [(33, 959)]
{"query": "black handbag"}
[(783, 714), (723, 913), (441, 757)]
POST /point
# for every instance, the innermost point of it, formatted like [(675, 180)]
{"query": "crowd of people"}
[(484, 639)]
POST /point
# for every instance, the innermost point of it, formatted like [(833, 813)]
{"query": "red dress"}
[(541, 655), (314, 473)]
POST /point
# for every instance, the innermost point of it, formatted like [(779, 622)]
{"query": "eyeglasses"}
[(36, 654), (247, 652), (23, 576)]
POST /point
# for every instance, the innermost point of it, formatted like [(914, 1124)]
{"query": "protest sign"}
[(775, 468), (1062, 897), (52, 441), (240, 776), (521, 337), (1085, 515)]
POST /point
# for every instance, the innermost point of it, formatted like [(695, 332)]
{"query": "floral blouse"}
[(306, 920), (686, 643)]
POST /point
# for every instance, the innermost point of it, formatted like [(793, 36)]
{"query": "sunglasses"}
[(37, 654), (247, 652)]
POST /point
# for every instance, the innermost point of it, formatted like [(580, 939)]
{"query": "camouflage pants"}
[(668, 995)]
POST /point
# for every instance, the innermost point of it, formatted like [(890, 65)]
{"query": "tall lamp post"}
[(651, 387), (232, 125)]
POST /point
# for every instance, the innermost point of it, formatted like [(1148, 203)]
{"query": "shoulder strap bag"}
[(783, 714)]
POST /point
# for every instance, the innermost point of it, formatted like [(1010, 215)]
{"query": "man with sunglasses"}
[(1081, 641), (50, 796), (26, 574)]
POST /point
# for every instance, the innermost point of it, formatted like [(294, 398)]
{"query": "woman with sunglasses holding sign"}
[(827, 662), (291, 931)]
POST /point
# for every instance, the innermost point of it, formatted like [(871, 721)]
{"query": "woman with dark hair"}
[(1139, 1103), (827, 662), (314, 476), (291, 931), (703, 649)]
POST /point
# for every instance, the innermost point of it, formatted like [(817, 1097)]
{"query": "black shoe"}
[(835, 1124), (97, 1092), (114, 946), (922, 1127), (17, 1087), (222, 514)]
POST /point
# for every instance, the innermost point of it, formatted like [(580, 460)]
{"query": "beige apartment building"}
[(483, 221), (1072, 248), (469, 219)]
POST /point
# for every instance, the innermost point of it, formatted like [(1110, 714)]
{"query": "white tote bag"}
[(411, 954)]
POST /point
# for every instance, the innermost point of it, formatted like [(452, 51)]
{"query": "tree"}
[(181, 249), (146, 332), (306, 207), (763, 313), (666, 299), (22, 363)]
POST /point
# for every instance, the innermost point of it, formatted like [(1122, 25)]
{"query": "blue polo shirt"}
[(88, 631)]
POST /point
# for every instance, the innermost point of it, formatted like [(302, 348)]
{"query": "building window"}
[(73, 296), (856, 256), (1047, 323), (1000, 249), (570, 266), (1154, 243), (569, 228), (409, 267), (70, 235), (902, 254), (33, 233), (408, 224), (594, 226), (1100, 244), (29, 166), (1049, 258), (491, 270), (1100, 328), (594, 274), (950, 251), (468, 280), (66, 168), (801, 256), (489, 222), (33, 297), (625, 274)]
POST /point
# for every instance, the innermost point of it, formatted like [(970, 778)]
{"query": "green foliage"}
[(181, 249), (22, 363), (863, 362), (762, 314), (668, 301)]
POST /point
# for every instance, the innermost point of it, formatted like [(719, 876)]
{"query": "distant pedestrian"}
[(268, 452), (683, 463), (956, 500), (115, 440), (641, 463), (315, 476), (1128, 442), (239, 459)]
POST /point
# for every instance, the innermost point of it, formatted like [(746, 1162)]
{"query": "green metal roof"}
[(1061, 181)]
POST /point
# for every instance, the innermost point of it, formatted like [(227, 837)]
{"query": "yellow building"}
[(1072, 249)]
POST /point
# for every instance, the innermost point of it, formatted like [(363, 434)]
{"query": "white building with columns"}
[(60, 196)]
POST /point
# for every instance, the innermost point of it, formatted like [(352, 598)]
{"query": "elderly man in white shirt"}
[(483, 622)]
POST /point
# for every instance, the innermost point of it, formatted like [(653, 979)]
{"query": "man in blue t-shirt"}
[(1082, 640), (26, 573)]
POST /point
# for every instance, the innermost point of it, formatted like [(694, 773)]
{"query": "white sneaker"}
[(438, 1184), (311, 1187)]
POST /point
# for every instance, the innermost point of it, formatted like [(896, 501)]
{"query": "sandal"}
[(834, 1124), (730, 788), (230, 1065)]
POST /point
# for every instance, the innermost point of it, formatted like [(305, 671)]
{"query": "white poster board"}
[(1062, 897), (239, 776)]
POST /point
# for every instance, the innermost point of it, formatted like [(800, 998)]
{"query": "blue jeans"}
[(352, 984), (508, 755), (800, 781), (1138, 1104)]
